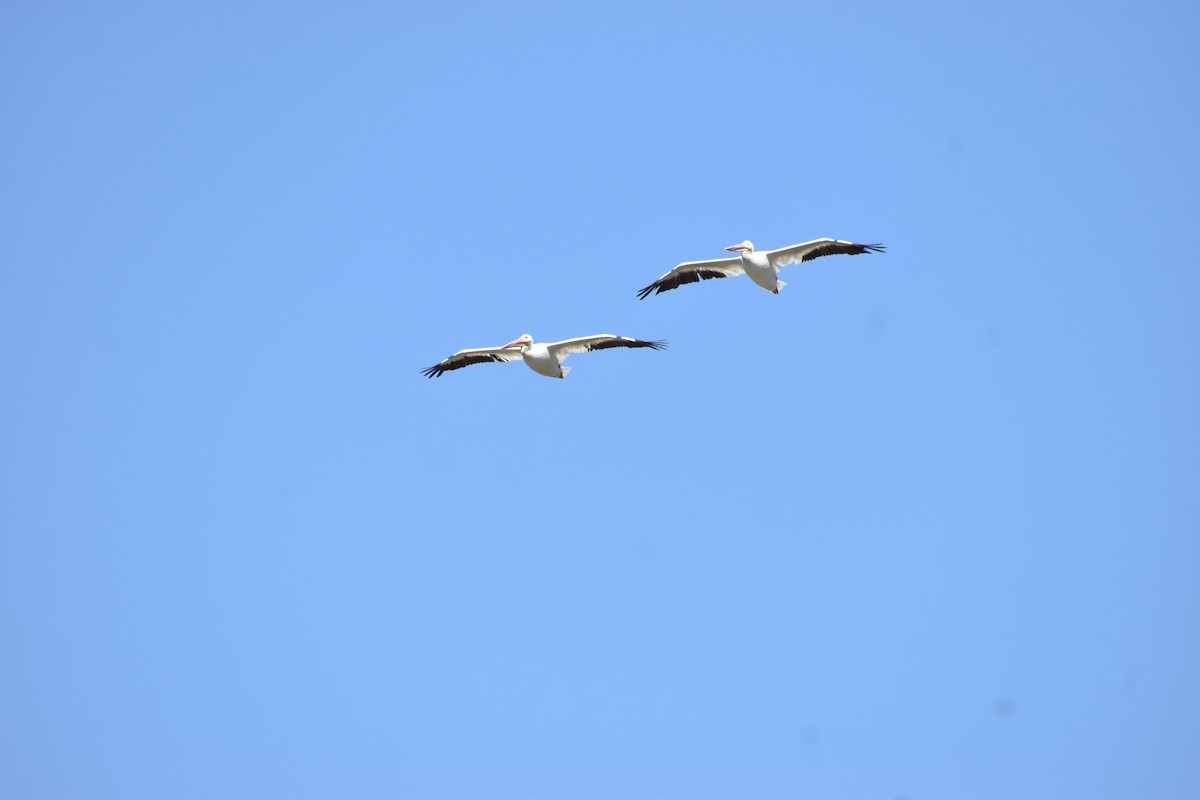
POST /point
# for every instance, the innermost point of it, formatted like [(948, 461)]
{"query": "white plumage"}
[(544, 358), (762, 267)]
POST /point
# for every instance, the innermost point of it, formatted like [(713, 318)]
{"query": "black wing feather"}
[(656, 345), (675, 281), (438, 369), (842, 249)]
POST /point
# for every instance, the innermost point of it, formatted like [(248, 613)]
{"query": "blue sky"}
[(924, 525)]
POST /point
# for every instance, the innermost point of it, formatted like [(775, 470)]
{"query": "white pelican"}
[(762, 267), (543, 358)]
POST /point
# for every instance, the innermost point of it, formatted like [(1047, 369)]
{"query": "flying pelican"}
[(762, 267), (543, 358)]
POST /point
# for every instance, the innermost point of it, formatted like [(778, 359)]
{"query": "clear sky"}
[(927, 524)]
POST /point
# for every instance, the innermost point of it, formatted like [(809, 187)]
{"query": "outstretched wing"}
[(602, 341), (693, 272), (817, 248), (465, 358)]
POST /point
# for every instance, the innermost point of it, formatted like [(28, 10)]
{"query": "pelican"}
[(762, 267), (544, 358)]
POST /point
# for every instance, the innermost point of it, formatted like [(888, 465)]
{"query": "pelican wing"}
[(817, 248), (603, 341), (693, 272), (465, 358)]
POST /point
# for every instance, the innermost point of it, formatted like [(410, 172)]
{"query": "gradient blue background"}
[(925, 525)]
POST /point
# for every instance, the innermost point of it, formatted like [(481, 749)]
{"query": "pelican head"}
[(521, 341), (745, 247)]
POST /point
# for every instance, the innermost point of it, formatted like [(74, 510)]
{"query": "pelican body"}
[(761, 266), (538, 357), (758, 266), (544, 358)]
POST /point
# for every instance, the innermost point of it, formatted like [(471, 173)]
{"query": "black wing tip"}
[(668, 283), (653, 344), (842, 247), (658, 287), (441, 368), (626, 341)]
